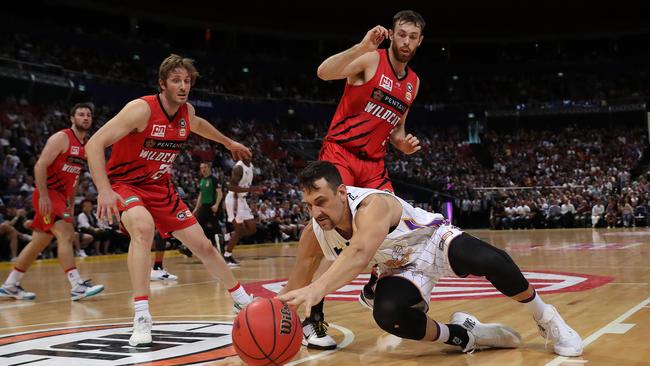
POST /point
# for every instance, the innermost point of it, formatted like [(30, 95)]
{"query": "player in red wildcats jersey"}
[(147, 136), (56, 173), (379, 89)]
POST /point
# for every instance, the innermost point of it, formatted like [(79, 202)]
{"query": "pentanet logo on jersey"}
[(454, 288), (174, 343)]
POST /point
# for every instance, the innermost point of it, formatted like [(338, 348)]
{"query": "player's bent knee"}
[(142, 233), (395, 308), (202, 248), (409, 323)]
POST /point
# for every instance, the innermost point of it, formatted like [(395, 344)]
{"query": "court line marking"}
[(615, 324), (24, 303), (116, 319), (348, 337)]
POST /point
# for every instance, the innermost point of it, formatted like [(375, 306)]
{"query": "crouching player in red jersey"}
[(147, 136)]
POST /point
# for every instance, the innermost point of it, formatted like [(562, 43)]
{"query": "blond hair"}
[(173, 62)]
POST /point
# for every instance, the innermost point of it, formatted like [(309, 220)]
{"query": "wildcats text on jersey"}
[(71, 169), (383, 113), (165, 157)]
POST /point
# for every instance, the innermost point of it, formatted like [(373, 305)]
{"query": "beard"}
[(81, 128), (399, 56)]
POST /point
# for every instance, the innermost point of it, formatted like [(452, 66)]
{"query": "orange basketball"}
[(267, 332)]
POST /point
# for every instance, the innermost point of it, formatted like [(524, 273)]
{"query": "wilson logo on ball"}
[(285, 325)]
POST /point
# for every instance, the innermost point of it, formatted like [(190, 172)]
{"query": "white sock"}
[(443, 335), (239, 294), (73, 276), (14, 278), (141, 308), (536, 306), (227, 254)]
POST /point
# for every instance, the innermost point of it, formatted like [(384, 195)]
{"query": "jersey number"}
[(164, 169)]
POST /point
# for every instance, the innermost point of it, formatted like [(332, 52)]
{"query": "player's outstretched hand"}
[(107, 209), (373, 38), (309, 296), (239, 151)]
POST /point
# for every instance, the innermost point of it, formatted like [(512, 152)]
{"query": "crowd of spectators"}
[(552, 177), (573, 176), (572, 76)]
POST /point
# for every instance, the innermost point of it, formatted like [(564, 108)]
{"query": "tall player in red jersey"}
[(56, 171), (147, 135), (379, 89)]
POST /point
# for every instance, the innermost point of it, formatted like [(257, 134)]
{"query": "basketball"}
[(267, 332)]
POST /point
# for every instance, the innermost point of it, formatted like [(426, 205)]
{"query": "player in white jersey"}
[(238, 211), (414, 248)]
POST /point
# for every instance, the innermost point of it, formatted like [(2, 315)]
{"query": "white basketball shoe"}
[(486, 335), (141, 336), (566, 341)]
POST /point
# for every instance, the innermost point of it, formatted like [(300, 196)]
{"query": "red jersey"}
[(146, 157), (368, 113), (64, 171)]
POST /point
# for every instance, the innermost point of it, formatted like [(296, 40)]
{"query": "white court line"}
[(604, 330), (348, 337), (24, 303), (120, 318)]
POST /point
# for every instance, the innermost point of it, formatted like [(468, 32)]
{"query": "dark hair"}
[(173, 62), (87, 200), (317, 170), (74, 108), (409, 16)]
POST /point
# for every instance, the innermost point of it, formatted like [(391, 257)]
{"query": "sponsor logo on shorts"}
[(184, 215), (386, 82), (174, 343), (47, 219), (131, 199), (158, 130), (443, 239), (454, 288)]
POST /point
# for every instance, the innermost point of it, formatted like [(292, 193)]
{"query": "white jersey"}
[(246, 178), (404, 245)]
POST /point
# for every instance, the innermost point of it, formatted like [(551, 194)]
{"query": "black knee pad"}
[(395, 309), (470, 255)]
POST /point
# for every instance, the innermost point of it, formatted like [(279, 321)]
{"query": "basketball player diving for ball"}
[(379, 90), (413, 248)]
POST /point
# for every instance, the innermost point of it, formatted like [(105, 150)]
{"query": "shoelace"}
[(18, 288), (320, 327), (86, 283)]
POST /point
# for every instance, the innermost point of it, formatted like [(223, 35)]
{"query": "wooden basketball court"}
[(598, 279)]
